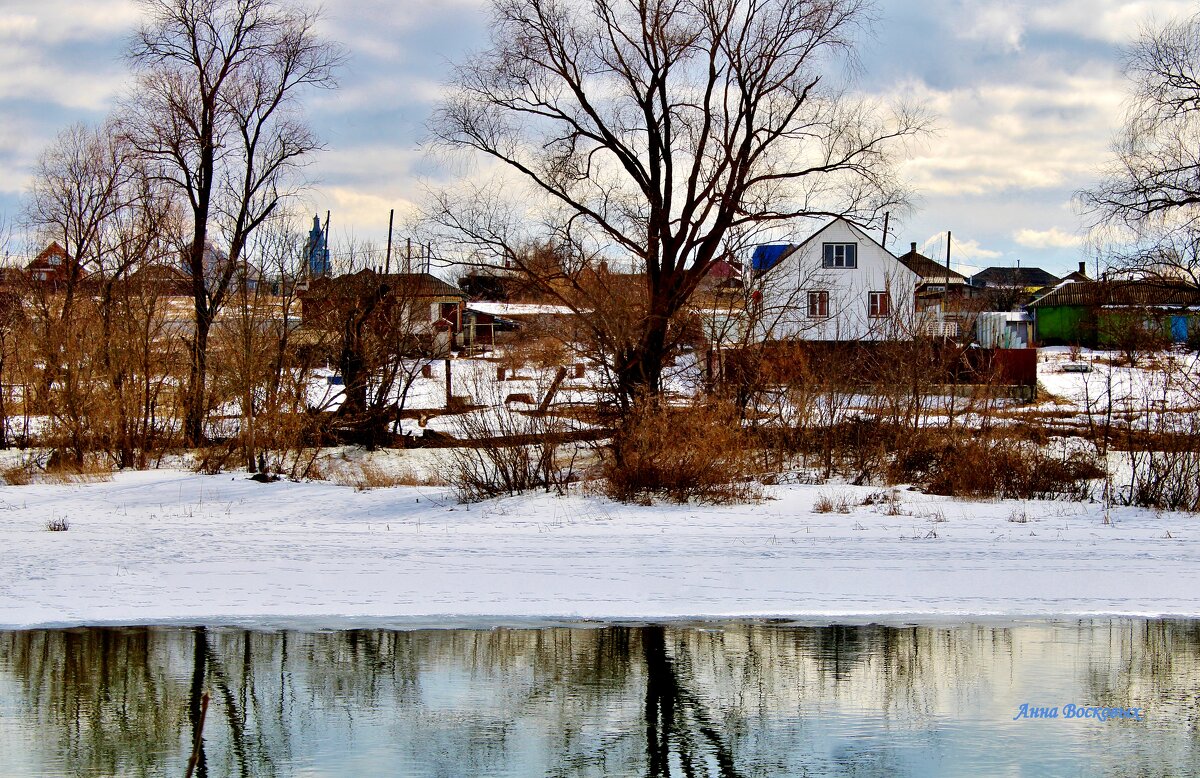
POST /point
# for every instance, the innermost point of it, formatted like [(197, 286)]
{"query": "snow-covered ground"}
[(173, 547)]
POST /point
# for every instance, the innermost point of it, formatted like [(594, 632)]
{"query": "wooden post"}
[(449, 386), (558, 379)]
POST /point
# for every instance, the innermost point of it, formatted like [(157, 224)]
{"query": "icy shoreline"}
[(170, 547)]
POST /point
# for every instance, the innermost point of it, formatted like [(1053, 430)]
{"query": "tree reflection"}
[(735, 700)]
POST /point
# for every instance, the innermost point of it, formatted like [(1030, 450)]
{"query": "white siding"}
[(785, 290)]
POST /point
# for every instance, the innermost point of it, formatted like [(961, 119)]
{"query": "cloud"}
[(997, 26), (1113, 21), (994, 137), (1045, 239)]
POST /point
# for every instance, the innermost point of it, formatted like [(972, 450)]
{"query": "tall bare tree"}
[(1145, 209), (659, 134), (217, 107), (94, 197)]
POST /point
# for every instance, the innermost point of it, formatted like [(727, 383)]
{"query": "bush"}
[(506, 452), (695, 453), (1010, 469), (1164, 479)]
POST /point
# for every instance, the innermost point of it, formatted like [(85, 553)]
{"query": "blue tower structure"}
[(317, 249)]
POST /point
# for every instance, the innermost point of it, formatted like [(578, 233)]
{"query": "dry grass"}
[(836, 503), (372, 475), (888, 500), (91, 471), (17, 475), (1019, 516), (40, 469), (58, 524)]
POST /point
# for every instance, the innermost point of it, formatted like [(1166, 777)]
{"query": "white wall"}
[(785, 291)]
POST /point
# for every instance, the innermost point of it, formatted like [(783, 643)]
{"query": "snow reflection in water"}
[(747, 699)]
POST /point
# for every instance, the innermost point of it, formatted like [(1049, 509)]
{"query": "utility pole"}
[(946, 285), (387, 263), (886, 218)]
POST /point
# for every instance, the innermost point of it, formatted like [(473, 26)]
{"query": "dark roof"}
[(414, 284), (1142, 293), (927, 268), (1075, 275), (1023, 277)]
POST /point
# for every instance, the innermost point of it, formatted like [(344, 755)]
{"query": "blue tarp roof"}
[(766, 256)]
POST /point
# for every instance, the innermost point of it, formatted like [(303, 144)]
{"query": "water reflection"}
[(724, 700)]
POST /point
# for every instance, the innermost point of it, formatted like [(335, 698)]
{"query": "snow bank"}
[(175, 547)]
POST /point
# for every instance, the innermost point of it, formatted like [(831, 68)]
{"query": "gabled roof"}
[(1022, 277), (1137, 293), (43, 260), (776, 253), (927, 268)]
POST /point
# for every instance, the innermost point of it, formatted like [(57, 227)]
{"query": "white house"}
[(838, 285)]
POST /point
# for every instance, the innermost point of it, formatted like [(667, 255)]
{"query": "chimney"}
[(1083, 268), (914, 247)]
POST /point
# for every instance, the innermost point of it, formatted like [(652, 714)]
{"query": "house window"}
[(818, 305), (841, 255), (879, 304)]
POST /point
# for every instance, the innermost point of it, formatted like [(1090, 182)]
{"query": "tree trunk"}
[(193, 426)]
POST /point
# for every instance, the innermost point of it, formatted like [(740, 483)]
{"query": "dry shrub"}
[(215, 459), (505, 452), (1010, 469), (696, 453), (825, 503), (58, 524), (17, 475), (1167, 478)]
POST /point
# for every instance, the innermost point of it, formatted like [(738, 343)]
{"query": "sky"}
[(1027, 93)]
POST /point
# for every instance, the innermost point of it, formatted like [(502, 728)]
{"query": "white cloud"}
[(1112, 21), (50, 22), (997, 136), (1046, 239), (996, 26)]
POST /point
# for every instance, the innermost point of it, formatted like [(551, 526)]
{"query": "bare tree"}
[(1145, 210), (92, 196), (216, 108), (658, 135), (83, 180), (379, 329)]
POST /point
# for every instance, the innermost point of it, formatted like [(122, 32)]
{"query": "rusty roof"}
[(1140, 293)]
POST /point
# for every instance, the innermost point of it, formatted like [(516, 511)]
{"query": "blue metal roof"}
[(766, 257)]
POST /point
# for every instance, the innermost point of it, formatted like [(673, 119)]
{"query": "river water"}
[(744, 699)]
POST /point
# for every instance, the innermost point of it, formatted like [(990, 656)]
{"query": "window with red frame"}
[(818, 305), (879, 304)]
